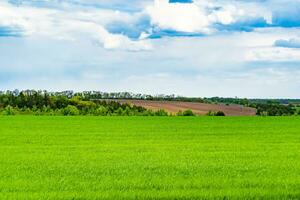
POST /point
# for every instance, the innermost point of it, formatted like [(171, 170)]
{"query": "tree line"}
[(95, 103), (31, 102)]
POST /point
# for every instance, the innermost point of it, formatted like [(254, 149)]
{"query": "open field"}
[(149, 158), (198, 108)]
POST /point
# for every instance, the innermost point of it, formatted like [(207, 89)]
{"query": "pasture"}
[(149, 157)]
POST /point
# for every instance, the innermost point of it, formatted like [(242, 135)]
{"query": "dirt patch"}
[(198, 108)]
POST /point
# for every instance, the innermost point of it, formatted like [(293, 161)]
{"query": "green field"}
[(149, 158)]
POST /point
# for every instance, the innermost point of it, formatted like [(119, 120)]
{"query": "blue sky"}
[(194, 48)]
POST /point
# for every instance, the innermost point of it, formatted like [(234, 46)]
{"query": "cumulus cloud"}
[(128, 30), (205, 17), (57, 24), (186, 17)]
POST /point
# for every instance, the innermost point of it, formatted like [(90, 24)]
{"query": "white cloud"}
[(180, 17), (260, 45), (66, 25), (201, 16)]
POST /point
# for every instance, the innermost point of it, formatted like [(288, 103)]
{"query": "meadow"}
[(149, 157)]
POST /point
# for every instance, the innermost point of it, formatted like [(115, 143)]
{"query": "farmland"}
[(198, 108), (149, 157)]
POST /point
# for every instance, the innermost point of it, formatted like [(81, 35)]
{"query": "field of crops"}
[(149, 158)]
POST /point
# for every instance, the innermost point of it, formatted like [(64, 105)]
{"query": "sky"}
[(203, 48)]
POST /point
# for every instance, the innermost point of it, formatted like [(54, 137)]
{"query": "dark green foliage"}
[(274, 109), (188, 113), (218, 113), (185, 113)]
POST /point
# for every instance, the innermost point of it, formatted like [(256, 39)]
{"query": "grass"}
[(149, 158)]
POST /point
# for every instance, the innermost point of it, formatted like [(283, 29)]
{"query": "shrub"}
[(70, 111), (213, 113), (9, 110), (188, 113), (210, 113), (180, 113), (102, 111), (220, 113), (161, 112), (119, 112)]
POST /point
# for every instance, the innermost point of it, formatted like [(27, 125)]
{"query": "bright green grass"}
[(149, 158)]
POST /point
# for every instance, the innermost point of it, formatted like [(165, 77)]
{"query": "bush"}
[(102, 111), (213, 113), (188, 113), (185, 113), (210, 113), (180, 113), (70, 111), (220, 113), (161, 112), (9, 110)]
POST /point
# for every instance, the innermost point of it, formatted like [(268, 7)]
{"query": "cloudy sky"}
[(244, 48)]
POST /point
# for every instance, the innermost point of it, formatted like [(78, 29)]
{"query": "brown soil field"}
[(198, 108)]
